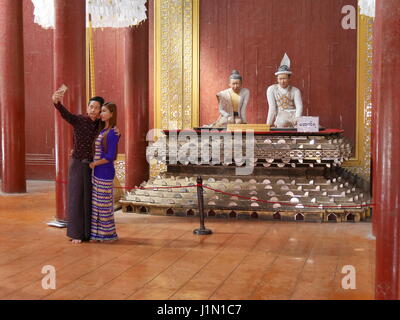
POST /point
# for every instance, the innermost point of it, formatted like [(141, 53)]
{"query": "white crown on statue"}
[(285, 66)]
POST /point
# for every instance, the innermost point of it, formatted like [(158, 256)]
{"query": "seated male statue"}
[(232, 103), (284, 100)]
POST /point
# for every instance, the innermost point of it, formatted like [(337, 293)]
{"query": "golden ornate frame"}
[(360, 164), (176, 55), (177, 69)]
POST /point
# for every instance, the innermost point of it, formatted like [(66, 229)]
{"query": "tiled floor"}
[(160, 258)]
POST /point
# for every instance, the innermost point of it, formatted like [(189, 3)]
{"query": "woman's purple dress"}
[(102, 223)]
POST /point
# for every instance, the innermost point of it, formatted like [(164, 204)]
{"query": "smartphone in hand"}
[(59, 94), (62, 89)]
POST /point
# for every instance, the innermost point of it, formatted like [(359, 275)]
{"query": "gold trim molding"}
[(176, 64), (361, 163)]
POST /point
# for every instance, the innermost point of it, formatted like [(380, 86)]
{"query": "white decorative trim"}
[(116, 13), (44, 13), (367, 8), (104, 13)]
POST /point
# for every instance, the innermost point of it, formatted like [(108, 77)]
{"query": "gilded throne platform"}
[(295, 177)]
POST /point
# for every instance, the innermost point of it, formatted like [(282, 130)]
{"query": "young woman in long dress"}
[(103, 223)]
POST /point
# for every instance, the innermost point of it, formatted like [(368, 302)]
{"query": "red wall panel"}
[(39, 111), (253, 35), (109, 71)]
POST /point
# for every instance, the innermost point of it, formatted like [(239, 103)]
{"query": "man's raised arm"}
[(64, 112)]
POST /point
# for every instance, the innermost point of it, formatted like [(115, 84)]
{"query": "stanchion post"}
[(202, 230)]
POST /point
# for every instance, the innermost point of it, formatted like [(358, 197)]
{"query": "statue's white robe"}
[(283, 115), (225, 107)]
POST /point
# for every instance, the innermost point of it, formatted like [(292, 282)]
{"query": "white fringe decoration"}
[(104, 13), (367, 7), (44, 13), (116, 13)]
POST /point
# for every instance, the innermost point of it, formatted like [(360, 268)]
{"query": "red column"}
[(387, 152), (12, 97), (376, 63), (136, 103), (69, 68)]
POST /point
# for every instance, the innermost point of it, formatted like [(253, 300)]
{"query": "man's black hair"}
[(98, 99)]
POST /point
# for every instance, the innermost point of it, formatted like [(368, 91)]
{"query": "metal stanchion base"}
[(202, 231)]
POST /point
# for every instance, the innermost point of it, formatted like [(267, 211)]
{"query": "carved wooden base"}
[(353, 215), (295, 178)]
